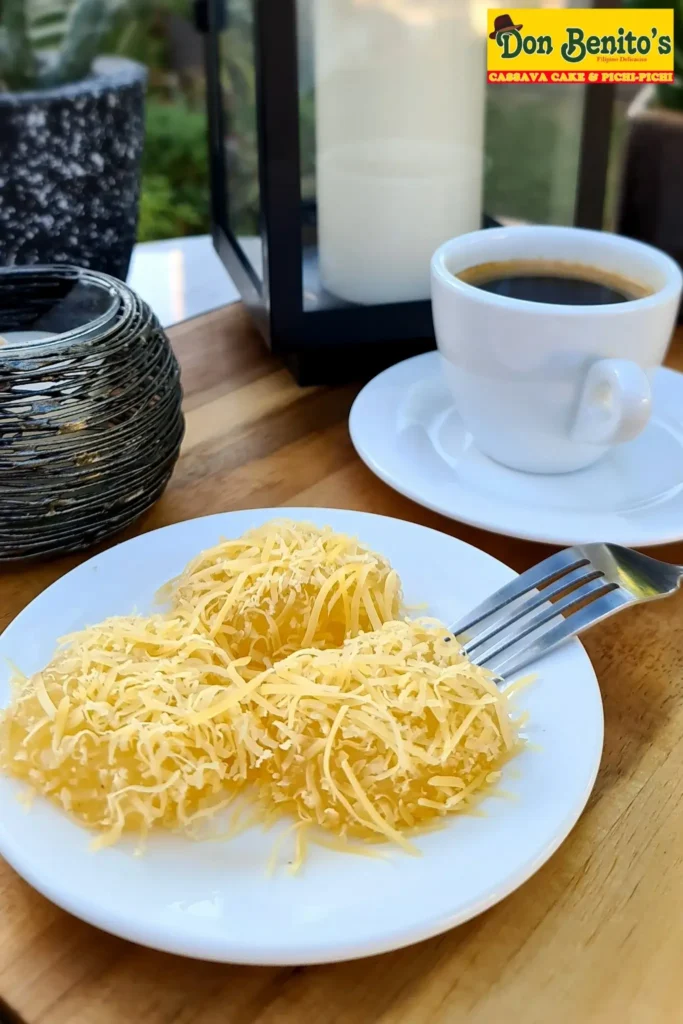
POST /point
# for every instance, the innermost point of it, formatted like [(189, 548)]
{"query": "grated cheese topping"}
[(284, 586), (280, 671), (107, 730), (377, 739)]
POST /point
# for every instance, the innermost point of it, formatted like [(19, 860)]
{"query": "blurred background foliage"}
[(175, 174)]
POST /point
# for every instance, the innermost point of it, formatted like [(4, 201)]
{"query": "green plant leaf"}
[(87, 25), (20, 65)]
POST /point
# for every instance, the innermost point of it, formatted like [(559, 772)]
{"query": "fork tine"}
[(563, 561), (574, 624), (513, 612), (593, 588)]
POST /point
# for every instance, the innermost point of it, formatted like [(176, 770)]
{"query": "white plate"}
[(214, 900), (405, 428)]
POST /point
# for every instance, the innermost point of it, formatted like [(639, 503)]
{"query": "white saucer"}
[(405, 428)]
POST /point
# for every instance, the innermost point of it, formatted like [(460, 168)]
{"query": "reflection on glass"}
[(532, 144), (629, 102), (306, 98), (238, 81), (532, 152)]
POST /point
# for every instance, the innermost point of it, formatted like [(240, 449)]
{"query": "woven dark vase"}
[(90, 409)]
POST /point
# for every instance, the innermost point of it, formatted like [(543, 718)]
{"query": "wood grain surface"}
[(596, 935)]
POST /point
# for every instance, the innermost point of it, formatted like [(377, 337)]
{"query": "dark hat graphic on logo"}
[(503, 24)]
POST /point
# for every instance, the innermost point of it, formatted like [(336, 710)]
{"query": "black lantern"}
[(348, 139)]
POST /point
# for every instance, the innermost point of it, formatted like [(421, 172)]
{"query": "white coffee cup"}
[(548, 388)]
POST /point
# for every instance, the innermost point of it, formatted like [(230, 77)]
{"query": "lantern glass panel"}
[(392, 142), (242, 200), (533, 144), (532, 152), (625, 100), (403, 144)]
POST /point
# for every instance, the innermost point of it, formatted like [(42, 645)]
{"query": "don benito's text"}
[(592, 45), (577, 44)]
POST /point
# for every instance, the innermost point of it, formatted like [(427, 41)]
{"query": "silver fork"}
[(559, 598)]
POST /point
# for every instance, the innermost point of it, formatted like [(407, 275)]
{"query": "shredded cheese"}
[(392, 730), (284, 586), (108, 730), (280, 672)]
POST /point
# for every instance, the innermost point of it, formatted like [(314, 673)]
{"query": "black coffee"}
[(553, 281)]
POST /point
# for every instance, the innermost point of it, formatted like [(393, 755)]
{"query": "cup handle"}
[(615, 403)]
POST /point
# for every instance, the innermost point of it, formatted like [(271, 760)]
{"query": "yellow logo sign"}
[(592, 45)]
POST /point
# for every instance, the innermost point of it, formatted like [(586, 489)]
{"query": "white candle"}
[(400, 135)]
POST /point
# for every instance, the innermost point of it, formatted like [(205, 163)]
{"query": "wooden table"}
[(596, 935)]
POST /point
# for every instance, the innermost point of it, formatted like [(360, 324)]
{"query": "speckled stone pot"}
[(70, 170)]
